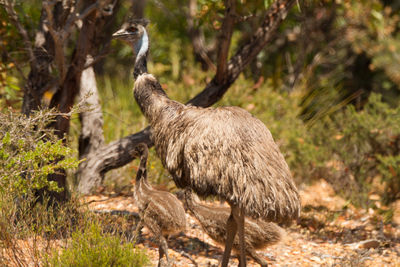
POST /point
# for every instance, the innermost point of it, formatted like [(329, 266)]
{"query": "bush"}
[(92, 247), (358, 146), (29, 152)]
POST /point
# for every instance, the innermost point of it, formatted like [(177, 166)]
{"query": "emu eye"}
[(132, 29)]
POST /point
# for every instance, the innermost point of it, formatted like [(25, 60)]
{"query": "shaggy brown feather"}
[(221, 151)]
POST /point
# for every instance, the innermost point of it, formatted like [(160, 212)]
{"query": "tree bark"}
[(91, 137), (137, 8), (224, 40), (118, 153), (39, 77), (40, 80)]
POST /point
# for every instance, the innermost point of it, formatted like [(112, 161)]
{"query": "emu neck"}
[(141, 49), (141, 176), (142, 188), (199, 211)]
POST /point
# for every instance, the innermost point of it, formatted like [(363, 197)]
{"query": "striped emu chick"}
[(161, 212), (258, 234)]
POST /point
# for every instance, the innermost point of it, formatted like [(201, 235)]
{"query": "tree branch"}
[(117, 153), (73, 17), (224, 40), (273, 18)]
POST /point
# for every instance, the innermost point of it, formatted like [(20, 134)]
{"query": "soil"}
[(330, 232)]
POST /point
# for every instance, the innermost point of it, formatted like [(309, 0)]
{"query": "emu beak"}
[(120, 33)]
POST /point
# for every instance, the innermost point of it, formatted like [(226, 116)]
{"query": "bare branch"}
[(9, 7), (75, 17), (102, 54), (61, 35), (224, 40)]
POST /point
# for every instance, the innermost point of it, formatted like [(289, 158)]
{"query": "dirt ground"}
[(330, 232)]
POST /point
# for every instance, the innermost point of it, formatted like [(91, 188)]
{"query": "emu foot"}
[(164, 263)]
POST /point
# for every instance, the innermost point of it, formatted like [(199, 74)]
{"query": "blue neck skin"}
[(141, 48)]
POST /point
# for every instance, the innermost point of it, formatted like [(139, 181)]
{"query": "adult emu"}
[(223, 151)]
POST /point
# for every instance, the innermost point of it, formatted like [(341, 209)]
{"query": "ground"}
[(330, 232)]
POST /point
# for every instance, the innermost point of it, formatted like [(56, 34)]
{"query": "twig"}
[(183, 253), (102, 54)]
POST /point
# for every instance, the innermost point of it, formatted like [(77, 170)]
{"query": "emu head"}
[(134, 33)]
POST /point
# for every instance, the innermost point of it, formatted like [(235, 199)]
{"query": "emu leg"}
[(163, 249), (231, 228), (238, 215), (257, 257), (138, 231), (160, 255)]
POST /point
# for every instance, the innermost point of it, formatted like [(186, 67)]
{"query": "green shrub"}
[(389, 167), (29, 152), (92, 247)]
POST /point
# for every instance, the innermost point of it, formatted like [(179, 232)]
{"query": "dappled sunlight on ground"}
[(329, 232)]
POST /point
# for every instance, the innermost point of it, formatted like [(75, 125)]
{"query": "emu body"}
[(161, 212), (215, 151), (221, 151)]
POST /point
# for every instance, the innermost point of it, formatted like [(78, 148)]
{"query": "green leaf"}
[(6, 139)]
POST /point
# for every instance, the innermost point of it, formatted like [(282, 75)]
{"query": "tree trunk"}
[(91, 137), (40, 80), (118, 153), (137, 8)]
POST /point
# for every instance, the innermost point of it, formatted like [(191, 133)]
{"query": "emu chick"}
[(161, 212)]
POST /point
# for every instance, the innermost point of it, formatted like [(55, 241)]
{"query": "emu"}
[(222, 151), (258, 234), (161, 212)]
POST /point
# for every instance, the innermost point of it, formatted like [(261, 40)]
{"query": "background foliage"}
[(327, 86)]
